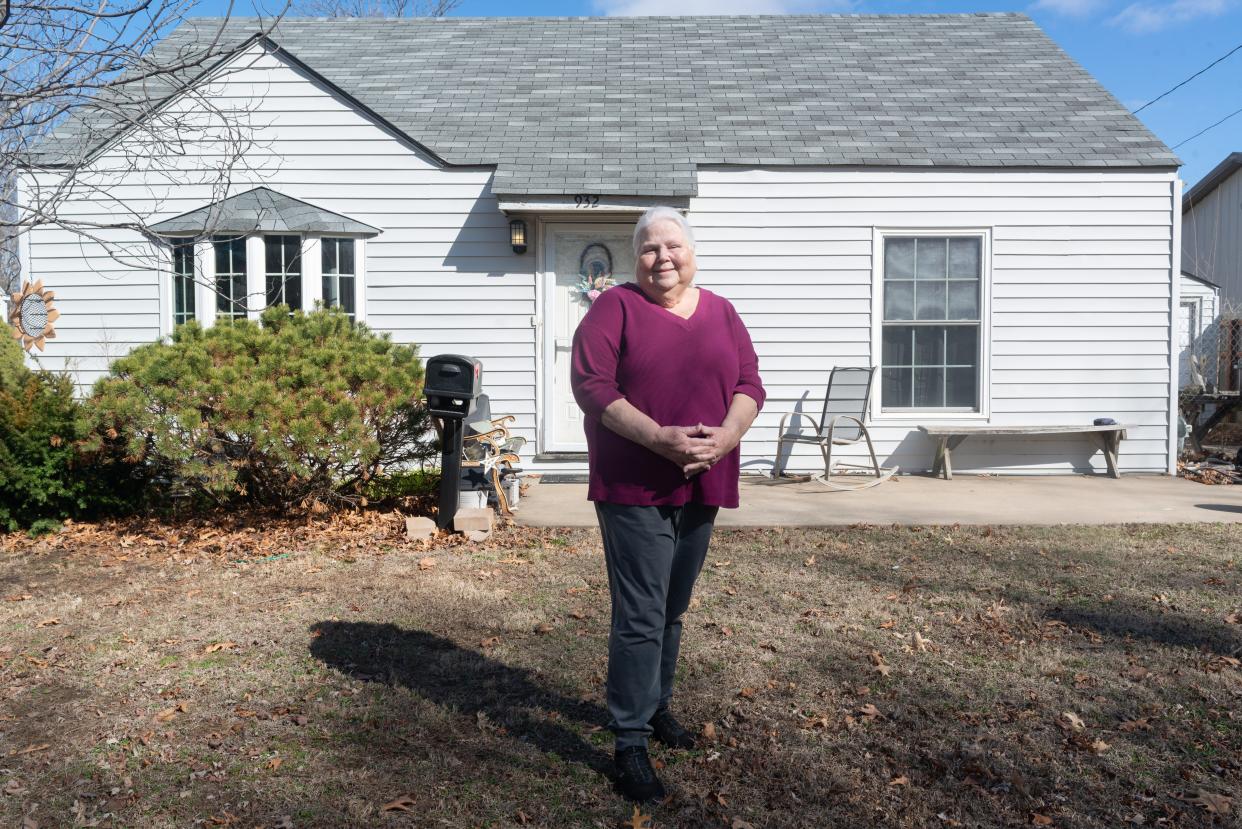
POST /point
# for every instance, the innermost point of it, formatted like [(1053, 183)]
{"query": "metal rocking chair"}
[(840, 424)]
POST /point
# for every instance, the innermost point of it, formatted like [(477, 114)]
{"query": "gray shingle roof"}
[(634, 105), (262, 209)]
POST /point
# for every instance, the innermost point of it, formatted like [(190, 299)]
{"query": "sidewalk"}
[(916, 499)]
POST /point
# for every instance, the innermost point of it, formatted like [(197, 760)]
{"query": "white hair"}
[(661, 213)]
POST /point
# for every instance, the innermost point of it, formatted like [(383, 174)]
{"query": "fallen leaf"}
[(577, 614), (490, 642), (724, 563), (1040, 820), (870, 712), (809, 562), (426, 563), (899, 781), (1099, 747), (1217, 804), (888, 625), (21, 597), (1234, 618), (709, 731), (543, 627), (638, 820), (1071, 720), (47, 623), (166, 715), (881, 667), (405, 803), (274, 763), (920, 644), (219, 646)]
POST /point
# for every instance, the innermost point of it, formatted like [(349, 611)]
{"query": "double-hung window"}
[(183, 283), (283, 257), (230, 277), (339, 274), (931, 338)]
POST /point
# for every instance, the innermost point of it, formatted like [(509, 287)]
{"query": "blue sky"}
[(1137, 49)]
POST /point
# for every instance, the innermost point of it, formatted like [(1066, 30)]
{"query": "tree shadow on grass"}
[(454, 677), (1125, 617)]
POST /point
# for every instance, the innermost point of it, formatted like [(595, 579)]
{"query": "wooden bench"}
[(949, 438)]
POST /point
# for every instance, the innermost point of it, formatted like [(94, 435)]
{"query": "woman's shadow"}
[(461, 679)]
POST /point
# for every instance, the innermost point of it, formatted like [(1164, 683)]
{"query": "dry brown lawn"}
[(243, 672)]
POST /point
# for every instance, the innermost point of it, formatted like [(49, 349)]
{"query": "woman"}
[(668, 379)]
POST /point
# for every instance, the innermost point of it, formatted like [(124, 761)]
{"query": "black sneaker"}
[(669, 731), (638, 779)]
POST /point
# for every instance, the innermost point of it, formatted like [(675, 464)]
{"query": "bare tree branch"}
[(374, 8)]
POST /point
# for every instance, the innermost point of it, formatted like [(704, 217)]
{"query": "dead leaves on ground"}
[(404, 803)]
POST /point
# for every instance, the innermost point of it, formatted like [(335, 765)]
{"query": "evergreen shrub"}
[(38, 433), (301, 411)]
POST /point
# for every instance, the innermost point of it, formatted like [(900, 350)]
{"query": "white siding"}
[(1080, 273), (1080, 299), (1212, 239)]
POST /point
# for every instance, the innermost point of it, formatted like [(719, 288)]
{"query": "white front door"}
[(577, 257)]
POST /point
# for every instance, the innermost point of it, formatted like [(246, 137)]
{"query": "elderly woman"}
[(668, 379)]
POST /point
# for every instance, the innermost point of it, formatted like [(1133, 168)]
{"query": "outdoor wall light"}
[(517, 235)]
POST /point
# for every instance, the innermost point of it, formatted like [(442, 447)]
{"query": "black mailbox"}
[(451, 384)]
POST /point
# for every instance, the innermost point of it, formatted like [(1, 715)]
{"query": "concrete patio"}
[(917, 499)]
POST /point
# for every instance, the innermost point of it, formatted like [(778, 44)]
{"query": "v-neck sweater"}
[(677, 371)]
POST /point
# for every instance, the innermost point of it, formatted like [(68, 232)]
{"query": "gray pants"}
[(653, 555)]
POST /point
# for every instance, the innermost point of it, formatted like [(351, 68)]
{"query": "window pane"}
[(330, 297), (964, 258), (274, 284), (963, 300), (223, 265), (292, 253), (961, 388), (898, 300), (928, 387), (895, 387), (962, 345), (897, 346), (929, 345), (347, 256), (931, 258), (293, 291), (329, 257), (271, 254), (347, 294), (929, 301), (898, 258), (239, 295)]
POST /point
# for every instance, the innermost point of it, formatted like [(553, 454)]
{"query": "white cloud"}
[(644, 8), (1069, 8), (1146, 17)]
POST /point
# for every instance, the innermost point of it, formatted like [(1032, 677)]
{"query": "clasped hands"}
[(695, 448)]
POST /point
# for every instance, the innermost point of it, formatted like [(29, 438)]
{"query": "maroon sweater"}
[(679, 372)]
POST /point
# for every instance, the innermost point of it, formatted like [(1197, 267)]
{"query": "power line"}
[(1205, 129), (1188, 80)]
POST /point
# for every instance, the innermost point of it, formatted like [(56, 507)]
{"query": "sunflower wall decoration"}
[(32, 315)]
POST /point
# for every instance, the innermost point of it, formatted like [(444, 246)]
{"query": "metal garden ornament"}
[(32, 315)]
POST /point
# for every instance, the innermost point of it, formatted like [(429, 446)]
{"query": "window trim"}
[(931, 416)]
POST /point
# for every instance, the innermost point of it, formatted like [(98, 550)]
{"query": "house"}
[(948, 197), (1212, 228), (1198, 331)]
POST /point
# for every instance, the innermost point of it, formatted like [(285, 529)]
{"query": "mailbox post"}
[(451, 385)]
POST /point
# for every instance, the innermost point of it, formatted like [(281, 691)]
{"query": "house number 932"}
[(586, 201)]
